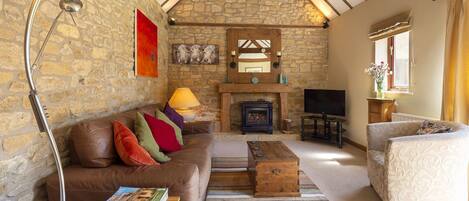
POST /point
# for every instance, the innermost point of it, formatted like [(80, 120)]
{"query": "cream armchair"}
[(403, 166)]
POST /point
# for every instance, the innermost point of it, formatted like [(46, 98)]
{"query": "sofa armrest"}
[(428, 167), (198, 127), (379, 133)]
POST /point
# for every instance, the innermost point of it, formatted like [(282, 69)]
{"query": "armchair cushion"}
[(430, 127), (379, 133)]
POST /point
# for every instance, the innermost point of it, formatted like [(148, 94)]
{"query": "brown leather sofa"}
[(96, 171)]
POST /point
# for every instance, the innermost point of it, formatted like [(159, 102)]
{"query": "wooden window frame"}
[(391, 65)]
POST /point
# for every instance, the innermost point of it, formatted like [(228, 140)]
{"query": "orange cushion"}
[(128, 148)]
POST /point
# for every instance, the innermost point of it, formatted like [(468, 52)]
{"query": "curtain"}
[(456, 76)]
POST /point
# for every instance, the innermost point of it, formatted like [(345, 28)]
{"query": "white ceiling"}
[(330, 8)]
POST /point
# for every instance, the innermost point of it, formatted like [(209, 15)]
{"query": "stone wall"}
[(304, 50), (87, 72)]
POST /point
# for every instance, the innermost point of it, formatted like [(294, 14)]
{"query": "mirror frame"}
[(235, 34)]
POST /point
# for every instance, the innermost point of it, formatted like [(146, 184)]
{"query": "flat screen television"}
[(328, 102)]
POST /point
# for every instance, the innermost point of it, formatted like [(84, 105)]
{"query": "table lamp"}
[(182, 101)]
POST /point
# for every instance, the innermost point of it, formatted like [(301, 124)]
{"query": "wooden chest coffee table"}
[(273, 169)]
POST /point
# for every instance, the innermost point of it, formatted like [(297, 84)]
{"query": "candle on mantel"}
[(279, 54), (233, 53)]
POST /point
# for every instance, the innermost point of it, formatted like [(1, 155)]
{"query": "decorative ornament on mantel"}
[(254, 79), (378, 72)]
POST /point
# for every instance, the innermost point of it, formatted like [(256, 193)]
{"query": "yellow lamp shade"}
[(183, 98)]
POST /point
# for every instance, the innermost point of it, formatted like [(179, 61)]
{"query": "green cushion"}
[(146, 140), (161, 116)]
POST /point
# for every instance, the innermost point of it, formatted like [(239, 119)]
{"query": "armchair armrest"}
[(379, 133), (198, 127), (427, 167)]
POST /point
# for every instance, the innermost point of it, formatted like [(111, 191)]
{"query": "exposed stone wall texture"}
[(87, 72), (304, 50)]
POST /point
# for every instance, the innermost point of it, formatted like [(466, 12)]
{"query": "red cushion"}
[(164, 134), (128, 148)]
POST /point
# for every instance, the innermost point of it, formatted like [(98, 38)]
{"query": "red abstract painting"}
[(146, 46)]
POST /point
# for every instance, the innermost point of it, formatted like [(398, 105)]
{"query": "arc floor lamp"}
[(69, 6)]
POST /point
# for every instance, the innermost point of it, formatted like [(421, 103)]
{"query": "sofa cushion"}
[(93, 140), (174, 116), (128, 148), (161, 116), (163, 133), (97, 184), (93, 143), (146, 140)]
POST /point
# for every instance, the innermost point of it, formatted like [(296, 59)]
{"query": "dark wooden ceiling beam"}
[(332, 7), (169, 4), (348, 4), (325, 16), (164, 2), (247, 25)]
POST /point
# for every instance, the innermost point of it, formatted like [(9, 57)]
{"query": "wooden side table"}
[(380, 110)]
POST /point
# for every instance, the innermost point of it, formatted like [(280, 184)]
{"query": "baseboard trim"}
[(355, 144)]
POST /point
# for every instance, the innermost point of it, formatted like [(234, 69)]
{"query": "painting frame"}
[(195, 54), (146, 46)]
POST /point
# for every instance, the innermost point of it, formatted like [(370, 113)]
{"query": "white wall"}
[(350, 51)]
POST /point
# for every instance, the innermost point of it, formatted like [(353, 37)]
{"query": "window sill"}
[(399, 92)]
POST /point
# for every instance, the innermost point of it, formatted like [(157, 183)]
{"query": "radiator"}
[(410, 117)]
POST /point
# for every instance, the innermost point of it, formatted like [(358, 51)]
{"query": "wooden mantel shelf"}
[(254, 88), (227, 89)]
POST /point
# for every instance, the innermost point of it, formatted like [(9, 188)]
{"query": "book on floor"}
[(140, 194)]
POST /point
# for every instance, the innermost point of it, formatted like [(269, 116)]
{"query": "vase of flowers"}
[(378, 72)]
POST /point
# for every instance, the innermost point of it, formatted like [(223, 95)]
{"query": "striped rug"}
[(230, 182)]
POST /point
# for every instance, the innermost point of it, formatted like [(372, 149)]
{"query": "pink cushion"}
[(164, 134)]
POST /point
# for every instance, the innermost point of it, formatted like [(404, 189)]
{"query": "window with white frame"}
[(395, 51)]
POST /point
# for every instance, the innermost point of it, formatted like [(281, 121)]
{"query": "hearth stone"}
[(256, 117)]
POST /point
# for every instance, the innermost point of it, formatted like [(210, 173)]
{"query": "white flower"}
[(378, 71)]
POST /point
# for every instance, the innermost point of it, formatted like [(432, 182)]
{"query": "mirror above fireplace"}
[(254, 56), (253, 52)]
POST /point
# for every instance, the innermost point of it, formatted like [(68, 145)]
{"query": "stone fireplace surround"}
[(226, 91)]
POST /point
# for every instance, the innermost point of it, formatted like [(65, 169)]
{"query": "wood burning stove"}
[(256, 116)]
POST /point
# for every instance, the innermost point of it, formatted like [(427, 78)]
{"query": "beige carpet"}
[(339, 173)]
